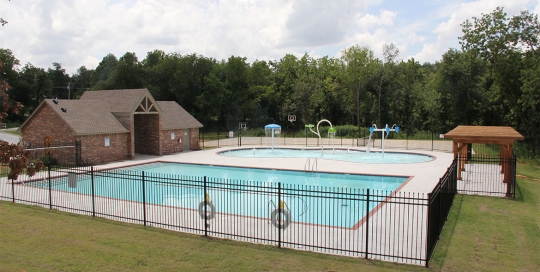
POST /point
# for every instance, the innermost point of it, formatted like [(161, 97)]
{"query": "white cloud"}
[(320, 22), (448, 31), (82, 32), (369, 21)]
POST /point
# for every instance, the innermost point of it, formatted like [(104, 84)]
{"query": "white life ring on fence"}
[(210, 211), (285, 218)]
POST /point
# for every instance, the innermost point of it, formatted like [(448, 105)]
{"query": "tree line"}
[(493, 79)]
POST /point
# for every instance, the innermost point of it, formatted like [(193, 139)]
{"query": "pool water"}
[(311, 197), (349, 155)]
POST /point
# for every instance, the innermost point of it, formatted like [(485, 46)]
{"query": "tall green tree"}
[(102, 73), (60, 81), (32, 86), (461, 85), (8, 73), (358, 61), (128, 73), (285, 75), (506, 43), (80, 82), (386, 76)]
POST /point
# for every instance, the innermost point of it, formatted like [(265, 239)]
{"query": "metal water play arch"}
[(331, 130)]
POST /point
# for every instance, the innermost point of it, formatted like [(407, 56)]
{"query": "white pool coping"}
[(423, 175)]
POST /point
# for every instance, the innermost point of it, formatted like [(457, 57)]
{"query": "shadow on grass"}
[(441, 249), (518, 193)]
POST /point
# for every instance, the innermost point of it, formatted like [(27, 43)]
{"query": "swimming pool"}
[(331, 199), (350, 155)]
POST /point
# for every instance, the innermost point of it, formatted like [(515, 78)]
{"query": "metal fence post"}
[(13, 189), (428, 240), (279, 213), (432, 141), (49, 180), (143, 199), (205, 209), (367, 223), (93, 192)]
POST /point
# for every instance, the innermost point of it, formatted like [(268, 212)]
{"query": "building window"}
[(172, 136), (107, 141)]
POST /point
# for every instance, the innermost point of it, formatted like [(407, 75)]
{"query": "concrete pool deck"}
[(423, 176)]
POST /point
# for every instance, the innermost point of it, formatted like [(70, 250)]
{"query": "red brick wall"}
[(47, 123), (169, 145), (194, 139), (127, 121), (149, 126), (94, 151)]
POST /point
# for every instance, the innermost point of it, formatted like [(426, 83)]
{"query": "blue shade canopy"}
[(272, 126)]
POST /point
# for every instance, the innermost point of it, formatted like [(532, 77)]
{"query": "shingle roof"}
[(173, 116), (87, 117), (125, 101), (95, 111)]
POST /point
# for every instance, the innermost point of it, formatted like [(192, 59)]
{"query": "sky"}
[(82, 32)]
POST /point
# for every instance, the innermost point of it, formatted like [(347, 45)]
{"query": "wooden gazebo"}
[(504, 137)]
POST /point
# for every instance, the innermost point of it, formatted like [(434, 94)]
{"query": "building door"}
[(137, 135), (185, 140)]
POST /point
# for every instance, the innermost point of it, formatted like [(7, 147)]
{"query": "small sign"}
[(72, 180), (231, 134), (441, 136)]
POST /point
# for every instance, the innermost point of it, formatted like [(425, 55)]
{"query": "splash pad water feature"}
[(272, 130), (331, 132), (387, 129)]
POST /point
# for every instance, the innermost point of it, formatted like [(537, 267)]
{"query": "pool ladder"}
[(311, 166)]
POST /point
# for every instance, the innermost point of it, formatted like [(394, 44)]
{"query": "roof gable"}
[(125, 101), (173, 116)]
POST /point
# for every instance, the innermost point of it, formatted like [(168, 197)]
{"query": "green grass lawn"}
[(482, 234)]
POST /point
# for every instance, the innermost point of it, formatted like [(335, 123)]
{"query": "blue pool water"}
[(330, 154), (311, 197)]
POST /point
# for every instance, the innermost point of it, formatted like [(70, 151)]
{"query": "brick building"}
[(111, 125)]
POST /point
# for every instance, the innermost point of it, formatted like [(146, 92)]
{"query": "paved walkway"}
[(8, 137)]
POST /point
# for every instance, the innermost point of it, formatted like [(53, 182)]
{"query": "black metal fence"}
[(391, 226), (360, 223), (430, 141), (440, 202), (486, 175)]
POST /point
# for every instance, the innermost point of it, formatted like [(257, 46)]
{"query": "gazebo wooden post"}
[(460, 152)]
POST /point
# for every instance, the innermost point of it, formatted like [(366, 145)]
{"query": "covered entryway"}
[(146, 128), (504, 137)]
